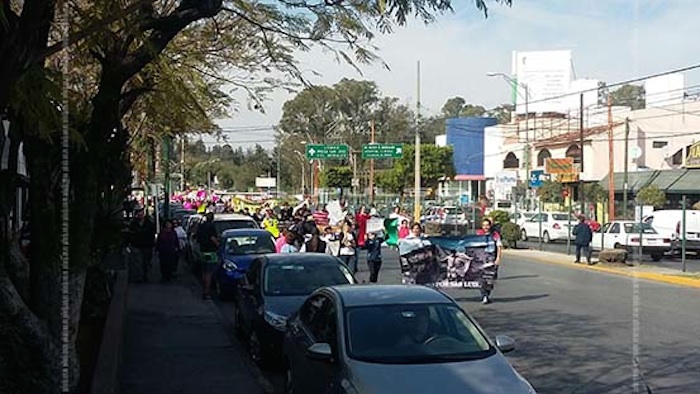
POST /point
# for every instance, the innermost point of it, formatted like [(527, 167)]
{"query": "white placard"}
[(375, 225)]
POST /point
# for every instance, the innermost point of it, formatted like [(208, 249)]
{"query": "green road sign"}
[(325, 152), (382, 151)]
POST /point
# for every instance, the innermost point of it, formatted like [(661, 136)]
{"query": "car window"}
[(615, 229), (303, 277), (413, 333), (605, 228), (319, 318), (249, 244), (223, 225), (563, 217), (633, 228)]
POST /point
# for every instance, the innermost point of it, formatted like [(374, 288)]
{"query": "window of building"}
[(575, 152), (542, 157), (659, 144), (511, 161)]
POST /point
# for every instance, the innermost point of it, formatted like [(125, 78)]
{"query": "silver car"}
[(377, 339)]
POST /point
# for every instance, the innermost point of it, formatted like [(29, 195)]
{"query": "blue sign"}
[(464, 199), (536, 178)]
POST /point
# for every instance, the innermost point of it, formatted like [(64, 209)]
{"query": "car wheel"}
[(545, 238), (288, 384), (523, 236), (618, 246), (656, 256)]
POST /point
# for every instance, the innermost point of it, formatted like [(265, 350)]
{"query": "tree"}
[(502, 113), (651, 195), (453, 107), (632, 96), (594, 192), (337, 177), (134, 65), (550, 192), (436, 162)]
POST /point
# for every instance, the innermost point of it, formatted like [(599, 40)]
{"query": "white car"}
[(625, 234), (520, 218), (555, 226)]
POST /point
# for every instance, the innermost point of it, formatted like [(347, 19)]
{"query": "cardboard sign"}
[(375, 225)]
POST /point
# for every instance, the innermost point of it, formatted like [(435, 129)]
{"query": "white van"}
[(668, 224)]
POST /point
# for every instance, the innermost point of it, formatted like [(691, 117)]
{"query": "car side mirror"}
[(505, 344), (320, 351)]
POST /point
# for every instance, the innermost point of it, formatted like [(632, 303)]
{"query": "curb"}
[(660, 278)]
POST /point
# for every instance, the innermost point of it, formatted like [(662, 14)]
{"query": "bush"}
[(510, 233), (499, 217)]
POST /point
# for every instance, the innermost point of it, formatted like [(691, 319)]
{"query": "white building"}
[(658, 139)]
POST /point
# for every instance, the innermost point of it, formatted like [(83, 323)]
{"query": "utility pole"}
[(527, 144), (624, 181), (416, 175), (580, 179), (611, 164), (371, 167)]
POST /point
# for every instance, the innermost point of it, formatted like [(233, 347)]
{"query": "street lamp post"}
[(527, 127)]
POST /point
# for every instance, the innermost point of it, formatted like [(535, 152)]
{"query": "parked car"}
[(222, 222), (555, 226), (239, 247), (520, 218), (273, 288), (625, 234), (668, 223), (393, 339)]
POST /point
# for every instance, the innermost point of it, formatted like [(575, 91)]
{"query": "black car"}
[(274, 287)]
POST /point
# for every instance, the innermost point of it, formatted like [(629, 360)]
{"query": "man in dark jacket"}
[(143, 239), (583, 235)]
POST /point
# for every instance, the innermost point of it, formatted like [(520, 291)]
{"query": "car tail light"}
[(634, 239), (556, 226), (667, 240)]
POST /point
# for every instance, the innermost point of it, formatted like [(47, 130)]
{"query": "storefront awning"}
[(689, 183), (635, 180)]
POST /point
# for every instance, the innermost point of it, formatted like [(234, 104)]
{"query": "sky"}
[(610, 40)]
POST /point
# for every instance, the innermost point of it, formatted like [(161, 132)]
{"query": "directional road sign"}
[(382, 151), (536, 178), (326, 152)]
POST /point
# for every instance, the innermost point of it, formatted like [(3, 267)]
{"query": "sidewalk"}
[(175, 342), (642, 271)]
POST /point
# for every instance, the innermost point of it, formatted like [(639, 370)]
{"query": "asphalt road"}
[(577, 331), (692, 262)]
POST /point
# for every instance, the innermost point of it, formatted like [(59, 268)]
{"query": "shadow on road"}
[(518, 277)]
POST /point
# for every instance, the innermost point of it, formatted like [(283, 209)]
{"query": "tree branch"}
[(129, 97)]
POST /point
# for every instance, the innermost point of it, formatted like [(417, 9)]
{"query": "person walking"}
[(315, 244), (182, 243), (168, 248), (208, 239), (583, 239), (290, 243), (347, 247), (374, 255), (143, 236), (494, 247)]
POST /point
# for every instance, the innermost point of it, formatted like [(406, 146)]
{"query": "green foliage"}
[(550, 192), (233, 168), (337, 177), (436, 162), (594, 192), (651, 195), (510, 233), (499, 217), (630, 96)]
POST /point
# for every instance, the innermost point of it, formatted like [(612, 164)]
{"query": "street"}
[(574, 328), (692, 262)]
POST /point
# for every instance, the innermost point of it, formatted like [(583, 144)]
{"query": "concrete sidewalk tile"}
[(175, 343)]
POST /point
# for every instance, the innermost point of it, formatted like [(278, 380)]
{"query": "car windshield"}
[(300, 278), (223, 225), (413, 333), (249, 244), (633, 228)]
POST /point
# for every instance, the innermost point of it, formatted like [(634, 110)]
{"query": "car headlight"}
[(230, 265), (279, 322)]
